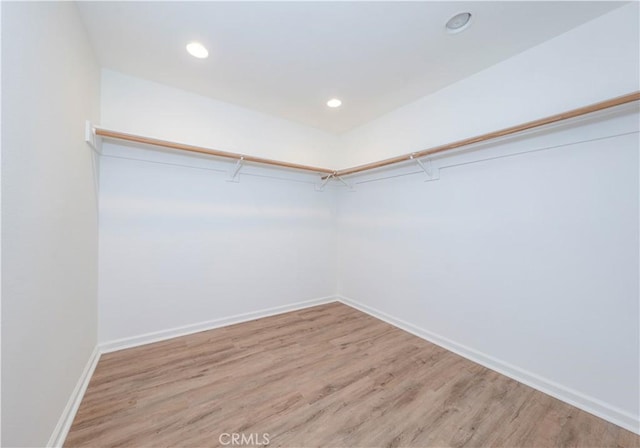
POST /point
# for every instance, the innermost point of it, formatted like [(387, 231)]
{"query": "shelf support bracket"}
[(351, 187), (94, 141), (325, 182), (432, 172), (233, 175)]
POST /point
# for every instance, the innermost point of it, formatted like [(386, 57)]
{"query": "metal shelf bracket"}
[(320, 187), (432, 172), (351, 187), (234, 174), (94, 141)]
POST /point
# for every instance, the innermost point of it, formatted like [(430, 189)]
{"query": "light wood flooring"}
[(327, 376)]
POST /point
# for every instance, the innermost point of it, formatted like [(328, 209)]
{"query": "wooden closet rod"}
[(212, 152), (635, 96)]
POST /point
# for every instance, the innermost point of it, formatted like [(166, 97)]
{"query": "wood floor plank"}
[(327, 376)]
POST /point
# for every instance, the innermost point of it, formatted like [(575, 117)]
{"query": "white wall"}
[(593, 62), (50, 85), (143, 107), (527, 264), (181, 246)]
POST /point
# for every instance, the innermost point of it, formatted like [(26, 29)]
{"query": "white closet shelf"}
[(415, 156)]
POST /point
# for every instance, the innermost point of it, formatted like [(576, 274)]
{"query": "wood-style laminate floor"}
[(328, 376)]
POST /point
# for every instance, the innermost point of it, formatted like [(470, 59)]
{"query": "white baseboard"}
[(68, 414), (162, 335), (563, 393)]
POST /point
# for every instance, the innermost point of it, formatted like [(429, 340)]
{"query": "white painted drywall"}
[(528, 263), (0, 223), (50, 86), (143, 107), (593, 62), (179, 245)]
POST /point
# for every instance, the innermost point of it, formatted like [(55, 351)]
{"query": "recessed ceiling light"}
[(459, 22), (334, 102), (196, 49)]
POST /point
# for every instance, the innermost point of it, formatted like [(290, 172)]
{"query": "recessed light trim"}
[(458, 23), (197, 50), (334, 102)]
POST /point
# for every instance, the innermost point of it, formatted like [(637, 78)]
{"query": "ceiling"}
[(288, 58)]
